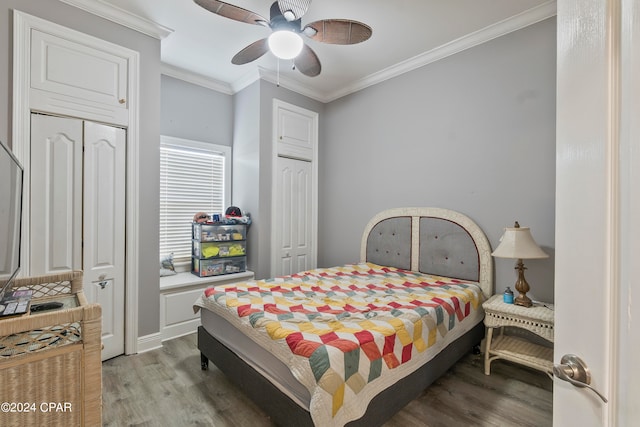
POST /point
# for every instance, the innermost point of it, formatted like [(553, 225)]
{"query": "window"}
[(194, 177)]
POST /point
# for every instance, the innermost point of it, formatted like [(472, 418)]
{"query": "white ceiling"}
[(406, 34)]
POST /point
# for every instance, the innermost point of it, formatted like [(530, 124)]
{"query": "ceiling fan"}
[(285, 40)]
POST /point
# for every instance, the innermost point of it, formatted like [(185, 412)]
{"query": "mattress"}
[(256, 356), (412, 317)]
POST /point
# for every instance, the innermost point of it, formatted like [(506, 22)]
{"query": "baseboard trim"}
[(149, 342), (180, 329)]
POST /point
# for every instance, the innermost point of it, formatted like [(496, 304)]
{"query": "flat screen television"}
[(11, 176)]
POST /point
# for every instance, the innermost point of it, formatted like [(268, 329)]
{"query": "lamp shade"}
[(285, 44), (517, 242)]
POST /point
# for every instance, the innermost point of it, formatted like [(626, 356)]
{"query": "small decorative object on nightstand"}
[(537, 319), (508, 296), (517, 243)]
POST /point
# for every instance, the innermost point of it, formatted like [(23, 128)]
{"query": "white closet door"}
[(104, 225), (56, 195), (78, 212), (294, 216)]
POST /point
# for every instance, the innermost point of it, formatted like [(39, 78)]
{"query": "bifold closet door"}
[(103, 229), (77, 219)]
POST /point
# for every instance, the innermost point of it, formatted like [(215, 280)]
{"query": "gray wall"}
[(149, 48), (193, 112), (474, 132)]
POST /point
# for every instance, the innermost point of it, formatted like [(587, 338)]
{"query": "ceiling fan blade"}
[(338, 31), (250, 53), (293, 9), (232, 12), (307, 62)]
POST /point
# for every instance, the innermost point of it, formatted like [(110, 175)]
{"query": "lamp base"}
[(523, 300), (522, 287)]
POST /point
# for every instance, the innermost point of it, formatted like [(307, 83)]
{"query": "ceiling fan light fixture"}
[(285, 18), (309, 31), (293, 9), (285, 44)]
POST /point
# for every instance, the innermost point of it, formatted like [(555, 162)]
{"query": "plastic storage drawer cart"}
[(218, 249)]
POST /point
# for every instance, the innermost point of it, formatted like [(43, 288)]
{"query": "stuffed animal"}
[(201, 217)]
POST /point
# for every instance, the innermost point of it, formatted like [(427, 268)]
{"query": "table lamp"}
[(517, 243)]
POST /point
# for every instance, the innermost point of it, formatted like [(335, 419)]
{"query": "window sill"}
[(187, 279)]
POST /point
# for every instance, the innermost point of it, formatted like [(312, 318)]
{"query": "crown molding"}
[(196, 79), (514, 23), (246, 80), (135, 22), (122, 17), (291, 84)]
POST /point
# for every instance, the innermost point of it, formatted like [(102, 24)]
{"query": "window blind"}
[(192, 179)]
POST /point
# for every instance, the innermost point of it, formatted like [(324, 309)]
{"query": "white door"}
[(103, 229), (597, 210), (78, 212), (293, 198)]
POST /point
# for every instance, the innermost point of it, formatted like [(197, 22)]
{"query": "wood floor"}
[(166, 387)]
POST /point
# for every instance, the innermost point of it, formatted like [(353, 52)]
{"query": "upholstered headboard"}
[(435, 241)]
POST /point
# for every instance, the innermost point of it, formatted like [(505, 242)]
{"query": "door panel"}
[(56, 195), (286, 215), (104, 222), (295, 133), (63, 66), (303, 215), (302, 263), (293, 200)]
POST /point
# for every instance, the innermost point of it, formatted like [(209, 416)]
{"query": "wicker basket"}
[(50, 363)]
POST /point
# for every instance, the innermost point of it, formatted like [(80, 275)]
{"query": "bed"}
[(353, 344)]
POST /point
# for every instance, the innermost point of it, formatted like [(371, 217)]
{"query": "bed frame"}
[(430, 240)]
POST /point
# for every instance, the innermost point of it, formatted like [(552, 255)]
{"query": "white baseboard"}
[(149, 342), (180, 329)]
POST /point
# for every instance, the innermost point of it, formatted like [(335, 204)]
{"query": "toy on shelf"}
[(201, 217)]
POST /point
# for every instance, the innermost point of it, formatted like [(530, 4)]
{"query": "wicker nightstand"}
[(537, 319)]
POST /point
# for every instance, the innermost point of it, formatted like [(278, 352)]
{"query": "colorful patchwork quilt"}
[(349, 332)]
